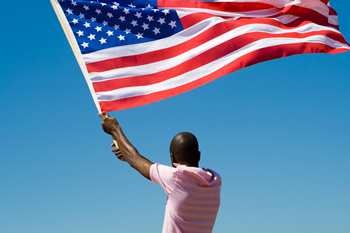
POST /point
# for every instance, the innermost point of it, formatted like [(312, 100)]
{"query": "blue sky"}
[(278, 133)]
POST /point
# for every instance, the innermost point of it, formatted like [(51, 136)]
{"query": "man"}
[(193, 193)]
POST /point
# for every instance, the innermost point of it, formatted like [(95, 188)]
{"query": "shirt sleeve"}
[(165, 176)]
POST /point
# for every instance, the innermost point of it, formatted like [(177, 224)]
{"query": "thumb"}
[(103, 115)]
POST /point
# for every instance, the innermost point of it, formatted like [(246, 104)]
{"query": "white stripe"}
[(333, 19), (315, 5), (285, 19), (135, 49), (250, 14), (169, 63), (213, 66), (276, 3), (182, 14)]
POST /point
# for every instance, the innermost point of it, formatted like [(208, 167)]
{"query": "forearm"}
[(130, 153)]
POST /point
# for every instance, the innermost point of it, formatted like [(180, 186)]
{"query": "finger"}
[(120, 157), (117, 153), (102, 115), (112, 145)]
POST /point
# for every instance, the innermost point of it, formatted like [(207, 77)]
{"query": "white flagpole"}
[(75, 47)]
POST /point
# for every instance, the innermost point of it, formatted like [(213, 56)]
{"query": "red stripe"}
[(217, 6), (246, 60), (307, 14), (194, 18), (325, 1), (163, 54), (202, 59)]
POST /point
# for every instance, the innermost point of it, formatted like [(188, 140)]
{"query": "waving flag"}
[(135, 52)]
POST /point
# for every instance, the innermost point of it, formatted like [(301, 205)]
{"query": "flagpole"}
[(75, 47)]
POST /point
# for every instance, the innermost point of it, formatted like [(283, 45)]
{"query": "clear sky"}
[(278, 133)]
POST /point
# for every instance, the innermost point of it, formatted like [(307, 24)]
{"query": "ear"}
[(173, 159), (199, 156)]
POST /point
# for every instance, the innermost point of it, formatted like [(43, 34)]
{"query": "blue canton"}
[(99, 25)]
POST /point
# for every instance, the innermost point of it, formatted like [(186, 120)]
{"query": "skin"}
[(183, 148)]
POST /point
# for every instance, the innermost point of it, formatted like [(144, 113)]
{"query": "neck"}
[(188, 164)]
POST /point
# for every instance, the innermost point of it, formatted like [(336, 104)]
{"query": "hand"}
[(109, 124), (118, 153)]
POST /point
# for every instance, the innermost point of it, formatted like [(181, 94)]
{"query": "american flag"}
[(135, 52)]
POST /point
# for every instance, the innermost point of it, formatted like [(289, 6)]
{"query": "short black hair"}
[(184, 147)]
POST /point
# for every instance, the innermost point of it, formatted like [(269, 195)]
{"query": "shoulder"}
[(159, 171), (165, 176)]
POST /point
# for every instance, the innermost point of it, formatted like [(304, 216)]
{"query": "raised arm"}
[(128, 152)]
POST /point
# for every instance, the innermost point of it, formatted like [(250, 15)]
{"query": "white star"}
[(127, 30), (105, 23), (86, 24), (98, 11), (86, 7), (81, 15), (149, 7), (121, 37), (172, 24), (98, 28), (110, 33), (145, 26), (93, 19), (122, 18), (126, 11), (114, 7), (166, 11), (156, 31), (155, 10), (103, 41), (74, 3), (115, 3), (69, 11), (116, 26), (91, 37), (110, 15), (75, 21), (132, 6), (161, 20), (150, 18), (134, 23), (138, 15), (139, 35), (80, 33), (103, 4), (85, 45)]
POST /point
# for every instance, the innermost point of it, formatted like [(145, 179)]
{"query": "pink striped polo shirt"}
[(193, 197)]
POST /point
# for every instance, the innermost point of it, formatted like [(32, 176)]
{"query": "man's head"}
[(184, 150)]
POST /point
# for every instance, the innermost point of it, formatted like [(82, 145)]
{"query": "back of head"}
[(184, 149)]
